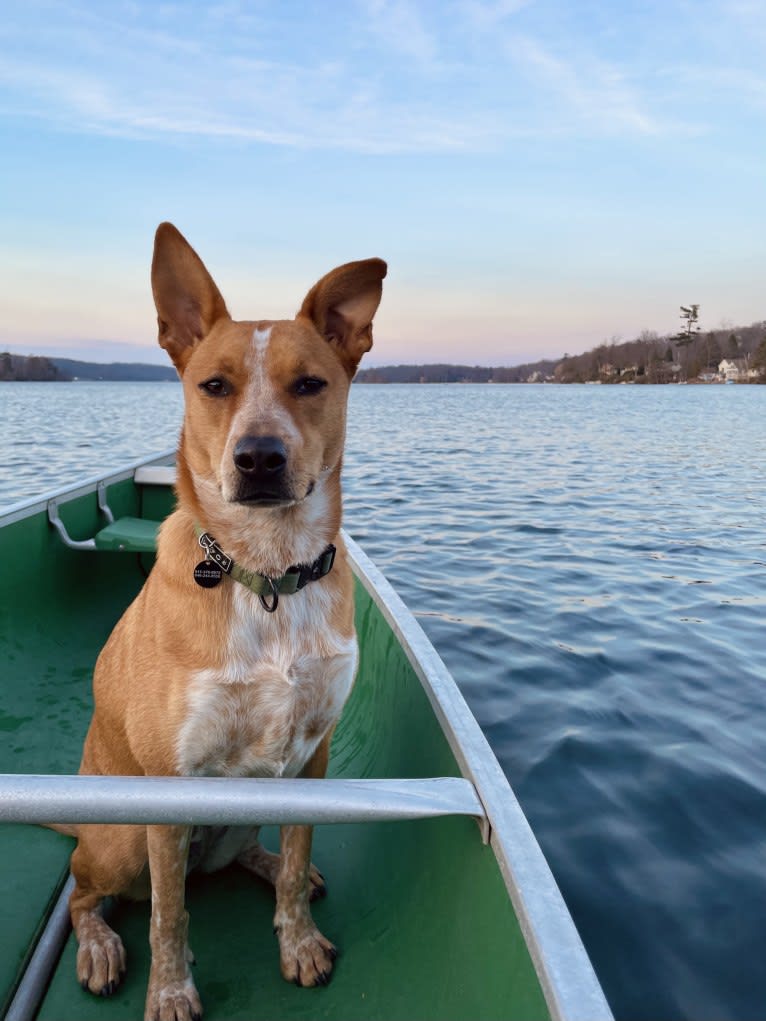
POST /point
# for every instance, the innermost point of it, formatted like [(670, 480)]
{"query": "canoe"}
[(440, 899)]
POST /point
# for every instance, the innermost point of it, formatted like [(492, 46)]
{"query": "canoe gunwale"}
[(34, 981), (25, 508)]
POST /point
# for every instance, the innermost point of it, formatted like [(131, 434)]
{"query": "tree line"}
[(443, 373), (689, 354), (32, 368), (651, 358)]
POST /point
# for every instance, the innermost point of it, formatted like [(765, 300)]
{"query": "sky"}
[(540, 175)]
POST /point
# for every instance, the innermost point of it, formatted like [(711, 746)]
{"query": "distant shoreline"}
[(653, 360), (38, 369)]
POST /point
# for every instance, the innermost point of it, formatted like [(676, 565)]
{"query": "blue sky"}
[(541, 175)]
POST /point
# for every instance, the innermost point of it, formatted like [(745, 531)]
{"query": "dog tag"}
[(207, 574)]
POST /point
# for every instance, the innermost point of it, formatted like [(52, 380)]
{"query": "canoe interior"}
[(419, 910)]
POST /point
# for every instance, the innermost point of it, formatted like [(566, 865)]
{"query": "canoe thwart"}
[(222, 801), (155, 475)]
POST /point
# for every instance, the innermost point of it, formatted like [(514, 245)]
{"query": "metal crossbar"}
[(229, 801)]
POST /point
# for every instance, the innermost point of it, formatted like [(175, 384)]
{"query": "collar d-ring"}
[(270, 607)]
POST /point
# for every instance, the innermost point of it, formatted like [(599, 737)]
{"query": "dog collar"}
[(216, 563)]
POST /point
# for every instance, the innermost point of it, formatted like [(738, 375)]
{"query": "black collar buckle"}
[(313, 572)]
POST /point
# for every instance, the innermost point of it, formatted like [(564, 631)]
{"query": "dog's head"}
[(265, 400)]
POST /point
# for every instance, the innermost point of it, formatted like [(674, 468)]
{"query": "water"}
[(591, 564)]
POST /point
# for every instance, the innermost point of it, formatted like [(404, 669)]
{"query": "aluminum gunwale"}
[(34, 981), (25, 508), (571, 989)]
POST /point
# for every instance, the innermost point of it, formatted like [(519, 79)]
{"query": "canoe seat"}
[(121, 535), (129, 535)]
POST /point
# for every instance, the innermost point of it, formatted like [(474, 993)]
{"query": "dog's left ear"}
[(342, 306)]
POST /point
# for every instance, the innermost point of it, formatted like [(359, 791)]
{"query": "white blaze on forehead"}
[(261, 338)]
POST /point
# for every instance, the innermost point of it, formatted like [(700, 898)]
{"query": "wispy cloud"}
[(598, 94), (401, 80), (269, 110)]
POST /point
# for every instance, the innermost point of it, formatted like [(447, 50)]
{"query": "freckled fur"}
[(205, 682)]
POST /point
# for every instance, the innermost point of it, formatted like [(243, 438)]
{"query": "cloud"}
[(372, 76), (598, 93), (112, 71), (400, 77)]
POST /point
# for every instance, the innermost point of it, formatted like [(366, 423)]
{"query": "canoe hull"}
[(420, 909)]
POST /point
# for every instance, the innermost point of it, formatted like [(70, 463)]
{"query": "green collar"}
[(216, 562)]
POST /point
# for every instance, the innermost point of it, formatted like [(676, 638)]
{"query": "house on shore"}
[(736, 370)]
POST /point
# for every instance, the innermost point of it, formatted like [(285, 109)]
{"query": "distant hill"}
[(115, 372), (35, 368)]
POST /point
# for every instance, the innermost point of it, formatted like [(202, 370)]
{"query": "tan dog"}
[(198, 681)]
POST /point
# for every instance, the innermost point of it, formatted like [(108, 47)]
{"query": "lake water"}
[(591, 564)]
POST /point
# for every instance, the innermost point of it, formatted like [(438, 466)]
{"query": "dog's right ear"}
[(187, 299)]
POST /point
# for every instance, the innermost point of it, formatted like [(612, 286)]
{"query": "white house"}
[(733, 369)]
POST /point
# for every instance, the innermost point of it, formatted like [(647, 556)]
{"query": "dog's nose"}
[(263, 456)]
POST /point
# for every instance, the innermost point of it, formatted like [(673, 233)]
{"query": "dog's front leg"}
[(171, 995), (305, 955)]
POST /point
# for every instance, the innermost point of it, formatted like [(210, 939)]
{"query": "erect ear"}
[(342, 306), (187, 300)]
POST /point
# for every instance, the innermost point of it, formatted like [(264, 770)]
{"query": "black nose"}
[(260, 457)]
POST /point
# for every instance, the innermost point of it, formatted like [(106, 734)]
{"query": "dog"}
[(238, 654)]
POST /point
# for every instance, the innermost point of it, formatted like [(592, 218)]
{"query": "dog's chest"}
[(283, 684)]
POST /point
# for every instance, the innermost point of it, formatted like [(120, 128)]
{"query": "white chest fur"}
[(285, 681)]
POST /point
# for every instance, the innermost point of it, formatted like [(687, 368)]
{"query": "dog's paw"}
[(305, 958), (176, 1001), (101, 961)]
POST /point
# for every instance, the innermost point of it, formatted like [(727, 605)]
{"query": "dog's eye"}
[(215, 387), (304, 386)]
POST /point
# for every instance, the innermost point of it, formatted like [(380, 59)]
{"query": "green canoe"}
[(440, 900)]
